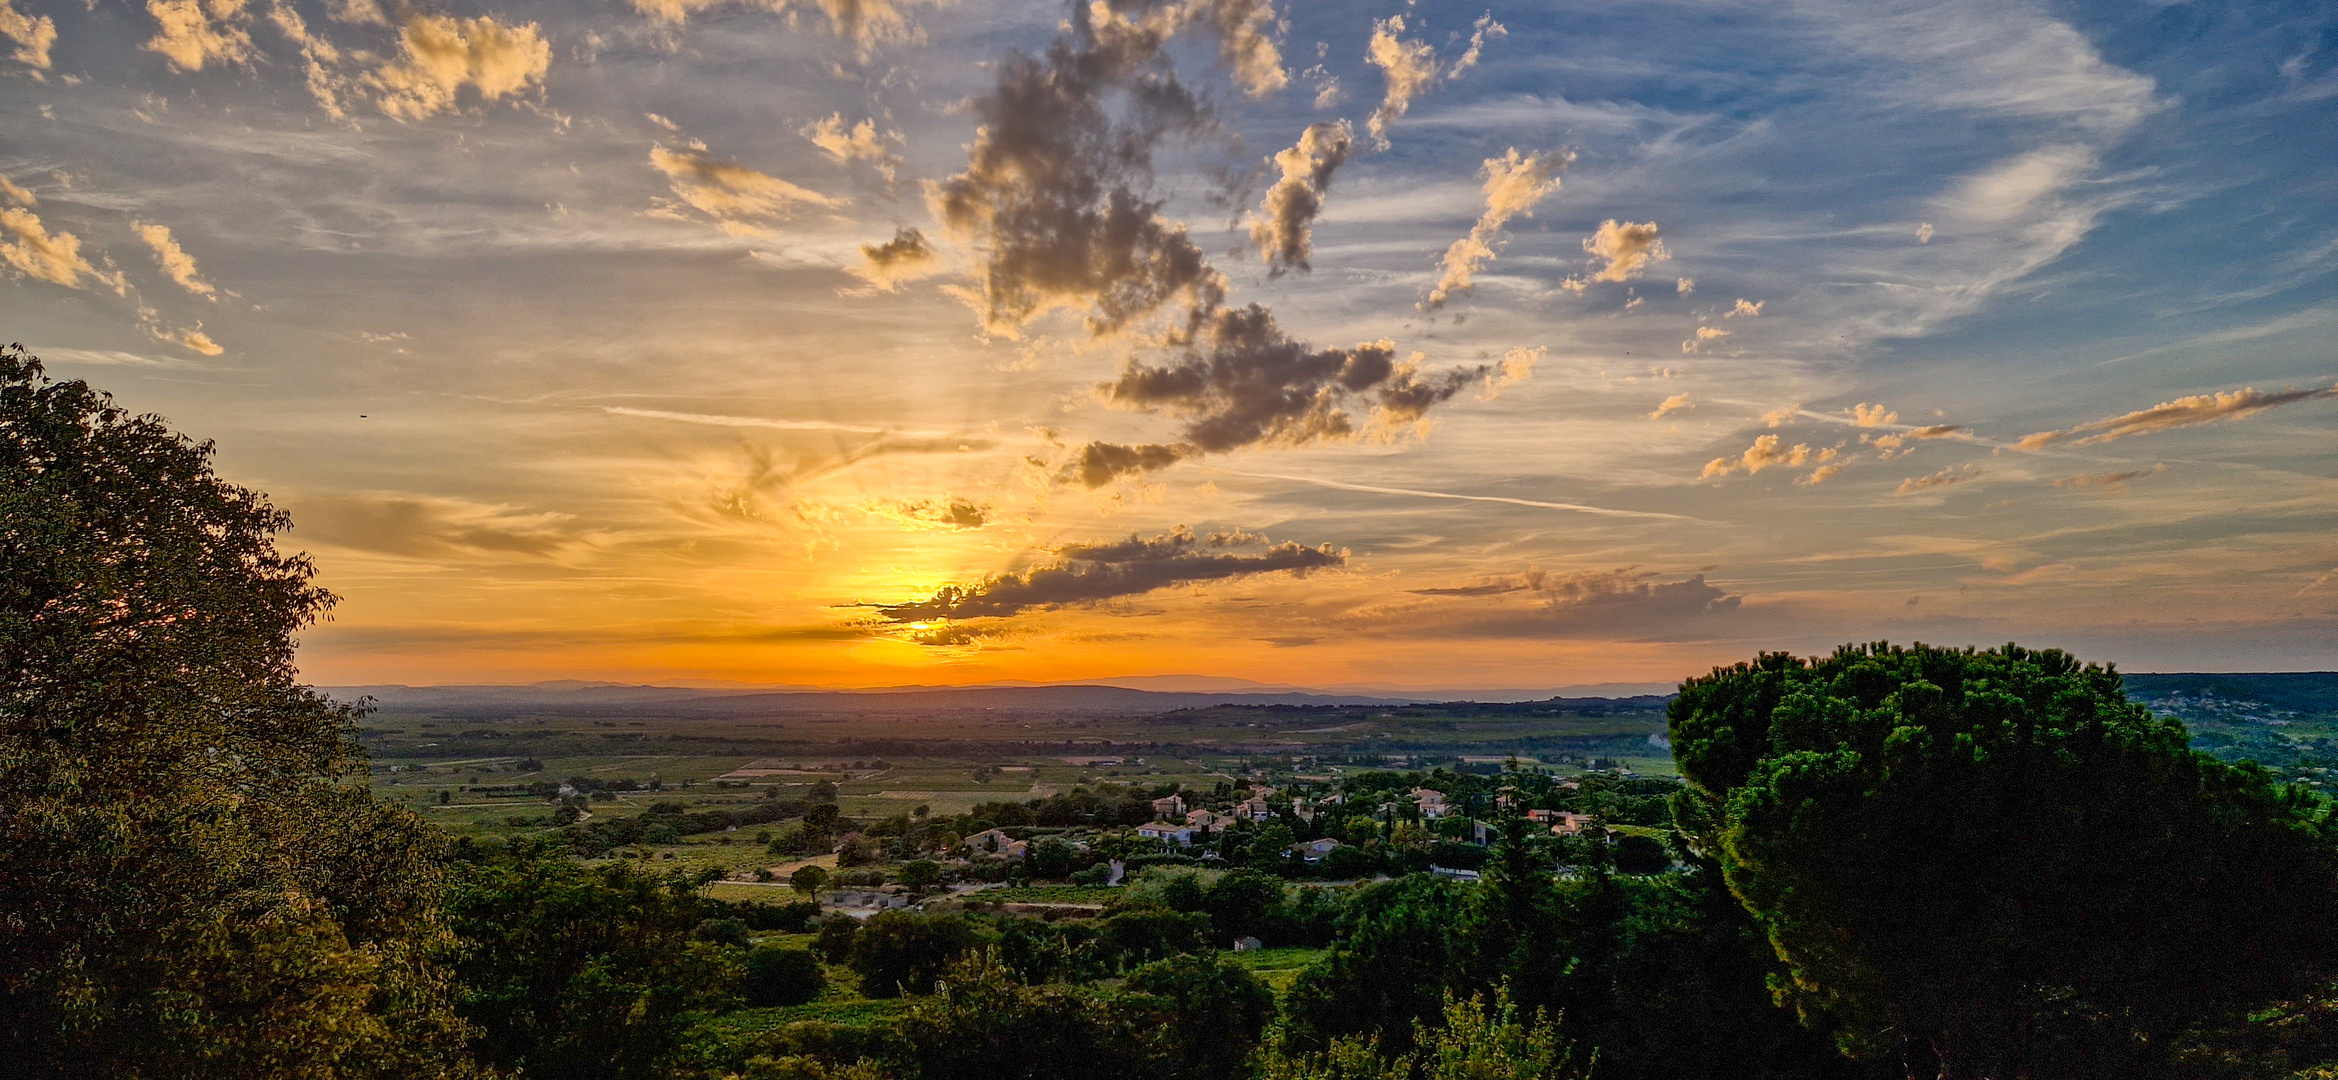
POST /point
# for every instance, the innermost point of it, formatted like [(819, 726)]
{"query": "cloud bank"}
[(1086, 574)]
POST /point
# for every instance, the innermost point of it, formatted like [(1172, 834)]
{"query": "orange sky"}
[(1342, 344)]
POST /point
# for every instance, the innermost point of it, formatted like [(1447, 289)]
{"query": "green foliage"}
[(777, 975), (576, 973), (834, 941), (1989, 862), (1209, 1014), (1242, 903), (1475, 1040), (1142, 933), (183, 890), (919, 875), (808, 879), (1400, 950), (898, 952), (983, 1025)]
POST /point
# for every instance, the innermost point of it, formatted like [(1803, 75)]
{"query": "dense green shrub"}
[(777, 975)]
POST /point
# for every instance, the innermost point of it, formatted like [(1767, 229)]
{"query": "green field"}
[(1277, 968), (493, 773)]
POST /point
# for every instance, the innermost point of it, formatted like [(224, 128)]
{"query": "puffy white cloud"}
[(1924, 233), (33, 35), (1767, 450), (1748, 308), (2182, 412), (193, 33), (439, 55), (1866, 415), (1685, 286), (15, 194), (194, 340), (1517, 367), (1282, 226), (1670, 405), (1626, 248), (174, 260), (1246, 44), (1706, 335), (1409, 68), (860, 142), (1514, 184), (29, 249)]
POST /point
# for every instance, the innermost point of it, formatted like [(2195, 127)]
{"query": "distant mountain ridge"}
[(575, 698), (692, 702)]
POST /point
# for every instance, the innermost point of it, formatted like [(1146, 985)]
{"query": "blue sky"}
[(1788, 325)]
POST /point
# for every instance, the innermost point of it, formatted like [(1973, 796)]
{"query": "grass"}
[(1277, 968), (843, 1012), (1048, 894)]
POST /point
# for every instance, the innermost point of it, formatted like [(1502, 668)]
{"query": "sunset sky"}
[(874, 342)]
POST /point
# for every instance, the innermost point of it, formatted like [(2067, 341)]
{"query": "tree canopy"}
[(1994, 862), (185, 889)]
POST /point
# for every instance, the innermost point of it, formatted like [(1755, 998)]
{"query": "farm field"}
[(481, 771)]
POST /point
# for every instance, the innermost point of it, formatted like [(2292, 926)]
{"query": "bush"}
[(1641, 855), (896, 952), (722, 931), (777, 975), (836, 937)]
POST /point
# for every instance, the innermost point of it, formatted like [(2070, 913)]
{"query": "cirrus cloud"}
[(2183, 412)]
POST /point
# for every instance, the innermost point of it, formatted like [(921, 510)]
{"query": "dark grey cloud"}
[(1084, 574), (1590, 602), (950, 513), (1282, 228), (1241, 381), (424, 528), (906, 257), (1057, 202)]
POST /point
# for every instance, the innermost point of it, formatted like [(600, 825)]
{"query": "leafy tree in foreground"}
[(1208, 1015), (583, 973), (983, 1025), (183, 890), (1993, 864)]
